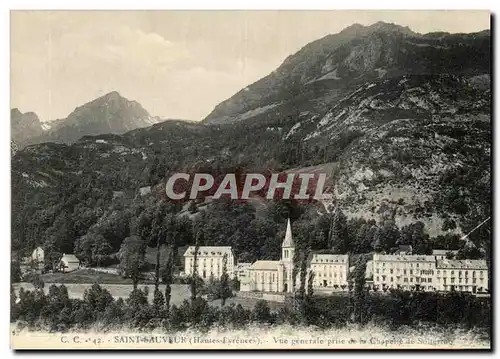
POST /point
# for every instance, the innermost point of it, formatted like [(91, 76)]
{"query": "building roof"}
[(442, 252), (288, 242), (243, 265), (403, 258), (209, 251), (404, 248), (265, 265), (70, 258), (329, 258), (462, 264)]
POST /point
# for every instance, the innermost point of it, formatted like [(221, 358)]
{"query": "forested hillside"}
[(405, 117)]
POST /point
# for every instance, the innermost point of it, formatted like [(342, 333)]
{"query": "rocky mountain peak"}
[(24, 126), (391, 28), (111, 113)]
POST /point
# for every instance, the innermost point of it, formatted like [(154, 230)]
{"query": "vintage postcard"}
[(251, 180)]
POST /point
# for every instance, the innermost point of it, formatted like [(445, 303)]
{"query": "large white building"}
[(428, 273), (462, 275), (404, 271), (210, 261), (330, 270)]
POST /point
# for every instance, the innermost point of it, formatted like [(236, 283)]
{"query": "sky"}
[(177, 64)]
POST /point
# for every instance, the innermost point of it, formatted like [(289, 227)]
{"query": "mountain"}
[(403, 120), (325, 70), (406, 116), (110, 113), (24, 126)]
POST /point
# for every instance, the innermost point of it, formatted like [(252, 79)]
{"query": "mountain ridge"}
[(352, 56), (110, 113)]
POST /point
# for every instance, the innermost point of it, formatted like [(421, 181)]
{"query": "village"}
[(330, 274)]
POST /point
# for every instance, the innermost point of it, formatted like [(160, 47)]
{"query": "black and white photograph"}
[(251, 179)]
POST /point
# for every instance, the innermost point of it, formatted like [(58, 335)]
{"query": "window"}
[(392, 279), (411, 280), (429, 280), (392, 271), (406, 280)]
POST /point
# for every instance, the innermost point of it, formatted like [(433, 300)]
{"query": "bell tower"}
[(287, 253)]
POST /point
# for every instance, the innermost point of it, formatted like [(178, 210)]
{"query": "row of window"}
[(204, 260), (261, 276), (329, 268), (405, 264), (466, 280), (330, 260), (431, 272), (341, 275), (465, 273), (405, 271), (406, 280)]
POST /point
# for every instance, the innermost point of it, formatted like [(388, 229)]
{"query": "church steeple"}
[(288, 242)]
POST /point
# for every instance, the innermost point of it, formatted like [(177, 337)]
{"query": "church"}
[(330, 271), (273, 276)]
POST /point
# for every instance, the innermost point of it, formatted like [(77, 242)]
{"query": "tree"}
[(386, 237), (158, 301), (339, 236), (157, 232), (194, 277), (92, 248), (192, 207), (261, 312), (97, 298), (100, 249), (132, 258), (225, 288), (415, 235), (168, 275), (52, 255), (15, 271), (360, 308)]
